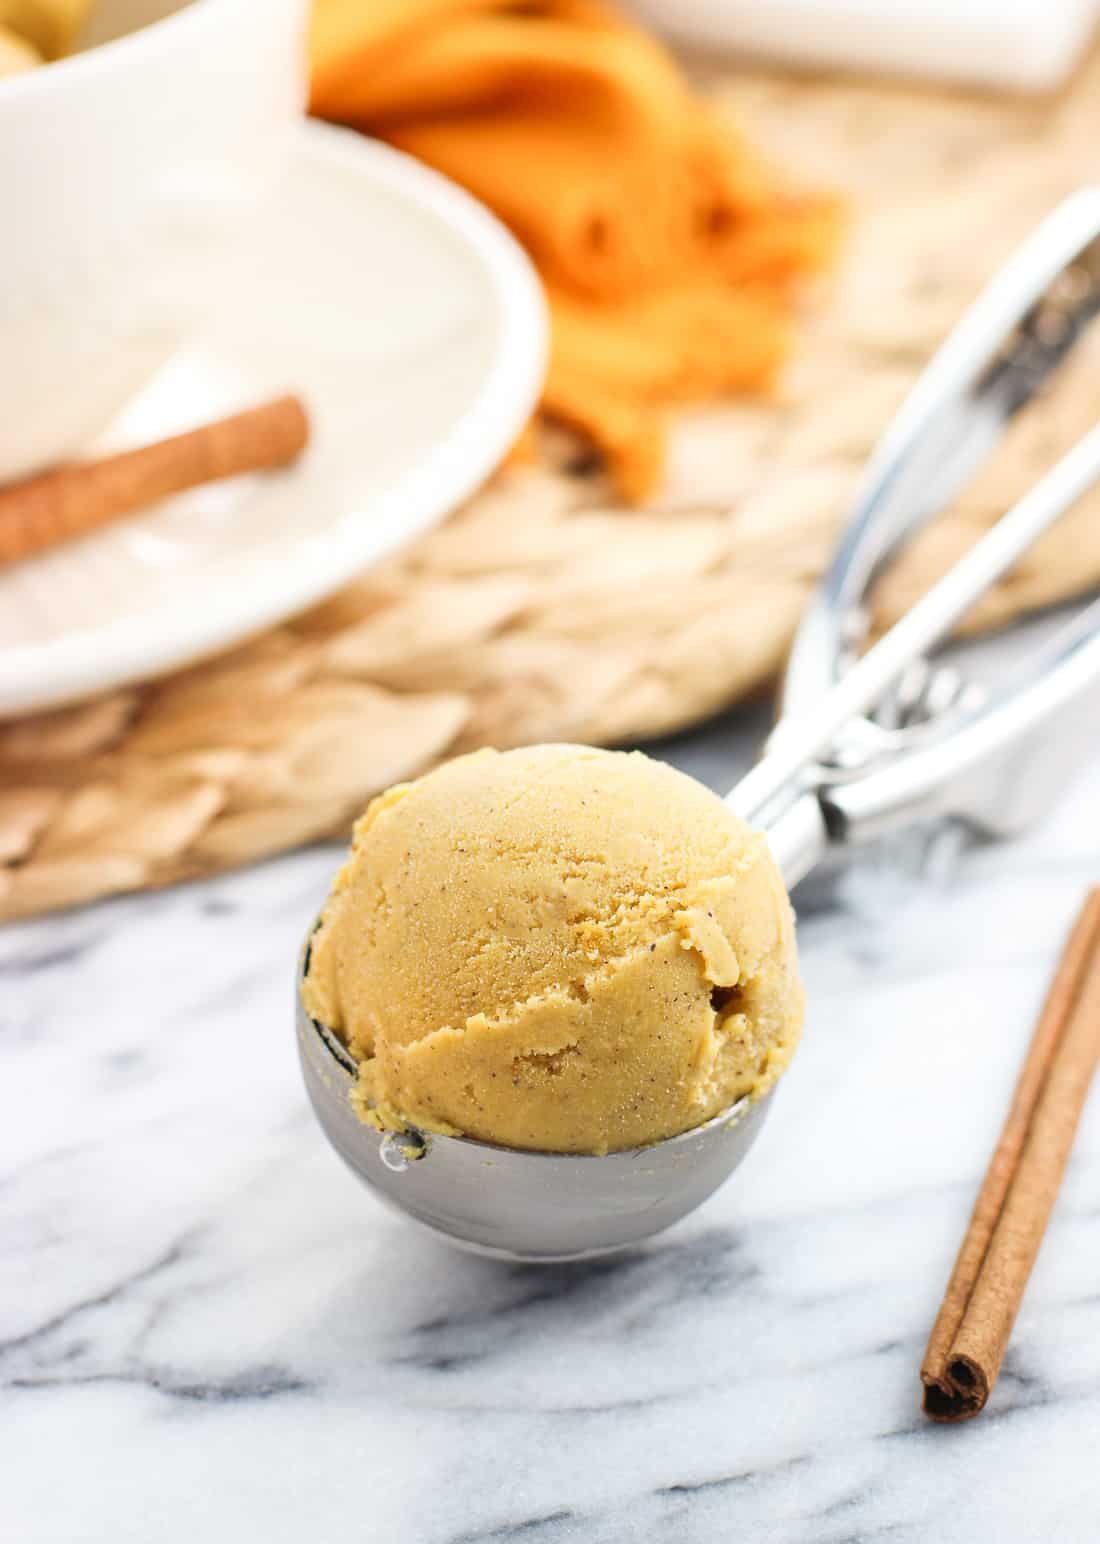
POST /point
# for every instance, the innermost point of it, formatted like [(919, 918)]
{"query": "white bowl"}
[(127, 173), (414, 329)]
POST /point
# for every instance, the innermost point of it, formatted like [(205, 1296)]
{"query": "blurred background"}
[(594, 315)]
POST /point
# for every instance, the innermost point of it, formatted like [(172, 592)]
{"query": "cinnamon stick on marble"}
[(970, 1335), (42, 511)]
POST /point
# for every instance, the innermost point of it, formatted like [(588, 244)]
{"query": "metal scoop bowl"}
[(832, 776), (517, 1205)]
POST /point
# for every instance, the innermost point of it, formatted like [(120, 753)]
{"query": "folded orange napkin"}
[(672, 255)]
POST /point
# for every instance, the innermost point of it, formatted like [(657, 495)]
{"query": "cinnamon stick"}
[(970, 1335), (40, 512)]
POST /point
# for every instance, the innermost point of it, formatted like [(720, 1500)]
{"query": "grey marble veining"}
[(208, 1330)]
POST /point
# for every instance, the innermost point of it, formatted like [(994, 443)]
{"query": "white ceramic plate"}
[(413, 326)]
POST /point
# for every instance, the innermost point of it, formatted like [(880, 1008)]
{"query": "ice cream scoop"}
[(832, 777)]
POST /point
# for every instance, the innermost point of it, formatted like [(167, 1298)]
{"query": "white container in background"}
[(1018, 45), (126, 173)]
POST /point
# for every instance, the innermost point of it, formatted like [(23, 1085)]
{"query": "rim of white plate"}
[(90, 661)]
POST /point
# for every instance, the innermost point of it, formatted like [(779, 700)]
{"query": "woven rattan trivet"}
[(541, 611)]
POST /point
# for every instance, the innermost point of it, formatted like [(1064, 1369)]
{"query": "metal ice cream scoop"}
[(831, 776)]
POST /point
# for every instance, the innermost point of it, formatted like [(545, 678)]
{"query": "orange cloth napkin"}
[(671, 254)]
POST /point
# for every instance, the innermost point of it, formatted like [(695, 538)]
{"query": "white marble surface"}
[(209, 1331)]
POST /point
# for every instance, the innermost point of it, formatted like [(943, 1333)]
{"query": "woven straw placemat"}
[(541, 611)]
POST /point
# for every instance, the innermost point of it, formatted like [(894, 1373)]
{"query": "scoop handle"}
[(796, 742), (1010, 342)]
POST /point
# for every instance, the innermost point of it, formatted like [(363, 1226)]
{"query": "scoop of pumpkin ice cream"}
[(556, 948)]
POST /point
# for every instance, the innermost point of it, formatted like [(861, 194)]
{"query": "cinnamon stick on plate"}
[(41, 512), (970, 1335)]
